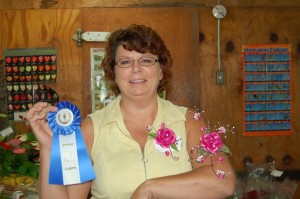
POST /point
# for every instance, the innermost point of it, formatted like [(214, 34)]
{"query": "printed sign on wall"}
[(101, 93), (267, 76)]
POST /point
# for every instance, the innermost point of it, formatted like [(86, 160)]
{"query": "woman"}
[(128, 161)]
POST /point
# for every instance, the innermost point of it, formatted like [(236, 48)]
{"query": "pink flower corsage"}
[(210, 144), (166, 140)]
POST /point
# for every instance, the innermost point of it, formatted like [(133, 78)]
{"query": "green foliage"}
[(202, 152), (173, 146), (13, 163), (2, 115), (225, 149), (152, 135), (2, 138), (30, 137)]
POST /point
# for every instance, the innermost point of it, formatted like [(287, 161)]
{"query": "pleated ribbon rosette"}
[(69, 161)]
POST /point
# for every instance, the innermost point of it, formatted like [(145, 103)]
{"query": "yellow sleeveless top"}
[(119, 163)]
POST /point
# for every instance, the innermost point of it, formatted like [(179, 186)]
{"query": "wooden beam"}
[(47, 4)]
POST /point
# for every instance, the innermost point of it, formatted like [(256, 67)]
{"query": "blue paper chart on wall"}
[(267, 92)]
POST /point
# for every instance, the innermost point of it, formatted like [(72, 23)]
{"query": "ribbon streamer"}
[(69, 160)]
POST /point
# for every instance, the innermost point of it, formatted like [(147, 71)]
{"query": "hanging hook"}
[(77, 37)]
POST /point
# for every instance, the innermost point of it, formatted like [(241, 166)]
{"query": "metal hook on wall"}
[(81, 36)]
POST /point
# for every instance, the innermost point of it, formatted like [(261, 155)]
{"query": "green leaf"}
[(28, 169), (2, 138), (202, 152), (2, 115), (173, 146), (27, 146), (152, 135), (225, 149), (4, 172), (30, 137), (7, 167)]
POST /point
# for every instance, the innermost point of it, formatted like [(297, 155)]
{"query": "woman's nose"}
[(136, 67)]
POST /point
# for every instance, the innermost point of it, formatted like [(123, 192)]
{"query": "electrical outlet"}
[(220, 77)]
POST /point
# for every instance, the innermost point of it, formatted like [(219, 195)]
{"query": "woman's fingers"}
[(39, 111), (37, 118), (35, 110)]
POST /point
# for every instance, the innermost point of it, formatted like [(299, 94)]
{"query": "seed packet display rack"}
[(267, 90), (28, 71)]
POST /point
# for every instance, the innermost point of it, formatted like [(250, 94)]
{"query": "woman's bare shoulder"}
[(87, 130)]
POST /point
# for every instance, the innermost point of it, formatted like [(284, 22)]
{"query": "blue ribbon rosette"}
[(69, 161)]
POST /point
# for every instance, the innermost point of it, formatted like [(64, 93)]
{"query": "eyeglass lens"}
[(143, 61)]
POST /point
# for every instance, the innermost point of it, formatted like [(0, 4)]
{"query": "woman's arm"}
[(201, 182), (37, 119)]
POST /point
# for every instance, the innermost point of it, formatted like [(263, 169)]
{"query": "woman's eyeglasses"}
[(143, 61)]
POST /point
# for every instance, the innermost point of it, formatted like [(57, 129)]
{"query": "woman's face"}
[(137, 80)]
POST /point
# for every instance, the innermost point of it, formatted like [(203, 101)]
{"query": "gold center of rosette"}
[(64, 117)]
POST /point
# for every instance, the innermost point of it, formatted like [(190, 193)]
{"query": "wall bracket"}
[(81, 36)]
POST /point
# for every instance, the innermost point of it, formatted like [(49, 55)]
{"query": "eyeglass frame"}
[(133, 60)]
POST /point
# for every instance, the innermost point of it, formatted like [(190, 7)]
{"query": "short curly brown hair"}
[(141, 39)]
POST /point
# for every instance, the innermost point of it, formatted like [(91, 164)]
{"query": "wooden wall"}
[(194, 81), (224, 102), (25, 28), (48, 28), (44, 4), (244, 25), (181, 44)]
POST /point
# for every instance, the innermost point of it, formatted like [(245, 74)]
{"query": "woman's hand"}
[(37, 118)]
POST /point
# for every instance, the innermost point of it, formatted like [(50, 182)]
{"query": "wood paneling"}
[(224, 102), (55, 28), (49, 28), (23, 25), (46, 4), (182, 44)]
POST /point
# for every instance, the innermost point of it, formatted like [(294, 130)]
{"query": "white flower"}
[(221, 129), (22, 137), (197, 116)]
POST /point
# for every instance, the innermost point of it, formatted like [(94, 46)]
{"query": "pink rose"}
[(165, 137), (211, 142)]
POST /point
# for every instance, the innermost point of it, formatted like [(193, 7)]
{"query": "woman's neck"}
[(139, 108)]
